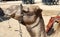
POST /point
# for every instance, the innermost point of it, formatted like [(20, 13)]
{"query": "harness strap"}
[(34, 24)]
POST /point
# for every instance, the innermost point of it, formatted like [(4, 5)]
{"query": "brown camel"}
[(32, 19)]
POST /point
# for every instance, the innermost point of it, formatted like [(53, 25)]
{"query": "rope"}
[(20, 30)]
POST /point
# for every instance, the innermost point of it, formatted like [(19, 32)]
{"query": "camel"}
[(30, 16)]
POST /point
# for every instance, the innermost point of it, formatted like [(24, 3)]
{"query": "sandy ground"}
[(11, 28), (5, 31)]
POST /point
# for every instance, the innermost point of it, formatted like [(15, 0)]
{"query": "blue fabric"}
[(1, 12), (30, 1), (46, 1)]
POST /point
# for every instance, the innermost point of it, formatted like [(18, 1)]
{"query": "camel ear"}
[(39, 12)]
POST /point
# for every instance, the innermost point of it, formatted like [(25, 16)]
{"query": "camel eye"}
[(24, 11), (29, 14)]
